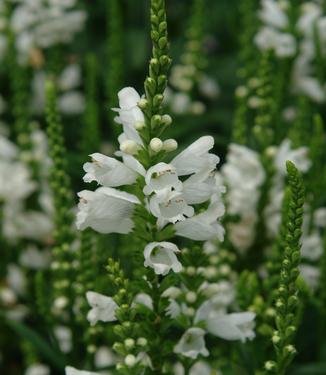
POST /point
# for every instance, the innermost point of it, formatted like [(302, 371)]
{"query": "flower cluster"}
[(300, 39), (167, 193), (38, 25)]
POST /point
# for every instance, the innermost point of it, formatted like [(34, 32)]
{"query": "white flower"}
[(311, 275), (72, 371), (310, 12), (70, 78), (143, 299), (106, 210), (242, 233), (201, 368), (129, 114), (161, 176), (108, 171), (8, 150), (284, 44), (64, 337), (15, 181), (71, 103), (161, 257), (312, 246), (169, 207), (298, 156), (104, 357), (243, 168), (37, 369), (221, 293), (320, 217), (208, 87), (196, 157), (103, 308), (235, 326), (192, 343), (34, 258), (272, 14), (204, 226)]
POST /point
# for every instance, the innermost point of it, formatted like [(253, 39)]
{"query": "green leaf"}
[(39, 343)]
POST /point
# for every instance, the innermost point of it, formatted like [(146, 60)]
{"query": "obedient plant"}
[(162, 197), (182, 252)]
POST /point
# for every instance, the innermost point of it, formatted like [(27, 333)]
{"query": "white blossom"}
[(169, 207), (64, 336), (192, 344), (235, 326), (106, 210), (108, 171), (161, 256), (311, 275), (298, 156), (196, 157), (37, 369), (129, 114), (312, 246), (161, 176), (102, 308), (203, 226), (73, 371), (34, 258)]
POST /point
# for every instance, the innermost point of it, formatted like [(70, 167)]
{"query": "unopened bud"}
[(170, 145), (156, 145), (166, 120), (130, 360), (139, 125), (129, 147)]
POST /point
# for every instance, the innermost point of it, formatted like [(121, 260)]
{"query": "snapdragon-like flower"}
[(273, 34), (106, 210), (161, 256), (204, 226), (108, 171), (298, 156), (37, 369), (103, 308), (196, 157), (170, 207), (73, 371), (42, 24), (235, 326), (161, 176), (129, 114), (192, 343), (244, 175)]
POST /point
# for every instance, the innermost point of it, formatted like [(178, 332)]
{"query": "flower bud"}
[(166, 120), (156, 145), (129, 343), (130, 360), (129, 147), (141, 341), (139, 125), (191, 297), (142, 103), (170, 145)]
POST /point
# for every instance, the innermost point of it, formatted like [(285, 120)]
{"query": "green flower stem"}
[(263, 124), (287, 301), (62, 196)]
